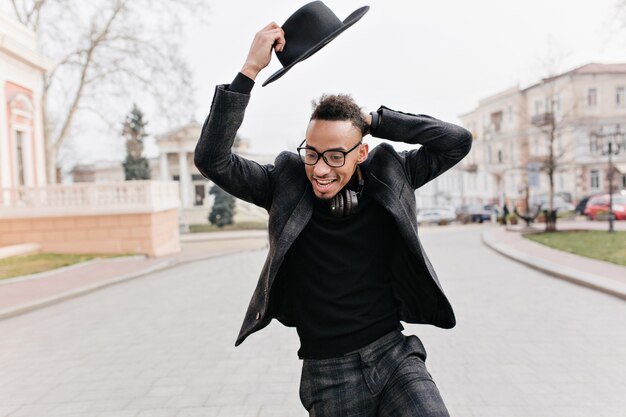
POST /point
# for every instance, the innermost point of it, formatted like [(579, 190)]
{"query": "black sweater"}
[(338, 279)]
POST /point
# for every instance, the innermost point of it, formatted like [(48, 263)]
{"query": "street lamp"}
[(610, 152)]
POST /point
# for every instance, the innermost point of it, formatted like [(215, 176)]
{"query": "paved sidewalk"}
[(599, 275), (22, 294), (525, 345)]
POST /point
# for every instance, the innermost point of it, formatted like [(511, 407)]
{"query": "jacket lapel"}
[(298, 219), (392, 201)]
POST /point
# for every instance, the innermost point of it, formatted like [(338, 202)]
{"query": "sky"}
[(437, 58)]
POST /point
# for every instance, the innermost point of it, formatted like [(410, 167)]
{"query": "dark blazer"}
[(285, 192)]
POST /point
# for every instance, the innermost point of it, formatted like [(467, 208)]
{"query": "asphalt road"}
[(163, 345)]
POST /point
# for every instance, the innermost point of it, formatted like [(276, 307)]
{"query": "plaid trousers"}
[(387, 378)]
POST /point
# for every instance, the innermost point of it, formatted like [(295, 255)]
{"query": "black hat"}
[(307, 31)]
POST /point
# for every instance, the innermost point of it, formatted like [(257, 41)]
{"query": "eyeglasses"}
[(335, 158)]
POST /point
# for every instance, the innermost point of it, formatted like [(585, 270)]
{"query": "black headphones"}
[(346, 202)]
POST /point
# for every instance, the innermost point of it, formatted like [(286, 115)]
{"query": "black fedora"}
[(307, 31)]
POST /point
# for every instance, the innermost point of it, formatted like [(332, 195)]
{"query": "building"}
[(176, 156), (108, 171), (572, 116), (117, 217), (176, 163), (22, 146)]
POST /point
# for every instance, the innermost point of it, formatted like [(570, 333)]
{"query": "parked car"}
[(473, 214), (435, 215), (560, 205), (598, 207)]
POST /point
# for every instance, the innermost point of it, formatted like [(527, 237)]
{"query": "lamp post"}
[(610, 188), (610, 152)]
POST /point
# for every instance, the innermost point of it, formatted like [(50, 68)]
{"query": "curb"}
[(233, 235), (585, 279), (166, 264)]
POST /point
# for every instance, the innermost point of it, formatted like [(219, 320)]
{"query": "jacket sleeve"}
[(443, 144), (243, 178)]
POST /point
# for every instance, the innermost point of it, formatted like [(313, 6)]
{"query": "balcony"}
[(470, 167), (89, 199), (543, 119)]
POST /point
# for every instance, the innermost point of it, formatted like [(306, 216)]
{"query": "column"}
[(185, 179), (165, 169)]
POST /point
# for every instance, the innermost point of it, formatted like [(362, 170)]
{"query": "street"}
[(525, 344)]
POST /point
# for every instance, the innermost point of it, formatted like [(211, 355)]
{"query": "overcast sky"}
[(437, 58)]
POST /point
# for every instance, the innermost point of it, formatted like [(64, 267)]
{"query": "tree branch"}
[(83, 76)]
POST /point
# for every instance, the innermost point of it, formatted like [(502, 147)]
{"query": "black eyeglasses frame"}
[(321, 154)]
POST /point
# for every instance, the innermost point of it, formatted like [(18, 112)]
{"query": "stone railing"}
[(89, 199)]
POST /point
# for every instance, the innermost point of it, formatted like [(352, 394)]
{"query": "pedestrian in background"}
[(505, 214)]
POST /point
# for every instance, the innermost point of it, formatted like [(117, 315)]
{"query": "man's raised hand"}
[(260, 55)]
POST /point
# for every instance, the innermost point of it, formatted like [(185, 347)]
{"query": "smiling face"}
[(323, 135)]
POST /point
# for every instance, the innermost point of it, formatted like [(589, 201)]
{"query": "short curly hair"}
[(339, 107)]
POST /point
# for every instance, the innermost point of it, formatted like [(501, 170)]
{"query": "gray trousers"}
[(387, 378)]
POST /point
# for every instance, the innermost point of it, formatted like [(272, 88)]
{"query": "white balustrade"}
[(89, 199)]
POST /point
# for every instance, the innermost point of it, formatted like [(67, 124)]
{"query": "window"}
[(489, 156), (537, 107), (624, 181), (592, 97), (496, 120), (19, 139), (595, 179), (200, 193), (499, 156), (509, 112), (556, 101), (619, 96)]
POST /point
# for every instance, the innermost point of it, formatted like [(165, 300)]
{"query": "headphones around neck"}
[(346, 202)]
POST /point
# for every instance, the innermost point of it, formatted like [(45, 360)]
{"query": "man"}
[(343, 272)]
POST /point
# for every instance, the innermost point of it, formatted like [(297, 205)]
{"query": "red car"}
[(598, 207)]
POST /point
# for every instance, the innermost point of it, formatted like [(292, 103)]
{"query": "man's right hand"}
[(260, 55)]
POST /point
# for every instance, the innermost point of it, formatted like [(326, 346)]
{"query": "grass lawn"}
[(204, 228), (31, 264), (610, 247)]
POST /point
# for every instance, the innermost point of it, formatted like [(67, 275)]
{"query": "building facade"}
[(176, 156), (22, 147), (563, 123), (176, 163)]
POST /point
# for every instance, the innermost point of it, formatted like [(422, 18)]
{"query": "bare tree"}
[(105, 52), (559, 115)]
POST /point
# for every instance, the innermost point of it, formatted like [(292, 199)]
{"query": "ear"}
[(363, 153)]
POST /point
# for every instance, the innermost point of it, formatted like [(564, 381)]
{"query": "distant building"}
[(108, 171), (22, 147), (175, 162), (587, 109), (116, 217), (176, 149)]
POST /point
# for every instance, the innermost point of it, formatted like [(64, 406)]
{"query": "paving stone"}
[(199, 412), (126, 413), (6, 411), (525, 345)]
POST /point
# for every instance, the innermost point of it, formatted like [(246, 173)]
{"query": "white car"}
[(559, 203), (435, 215)]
